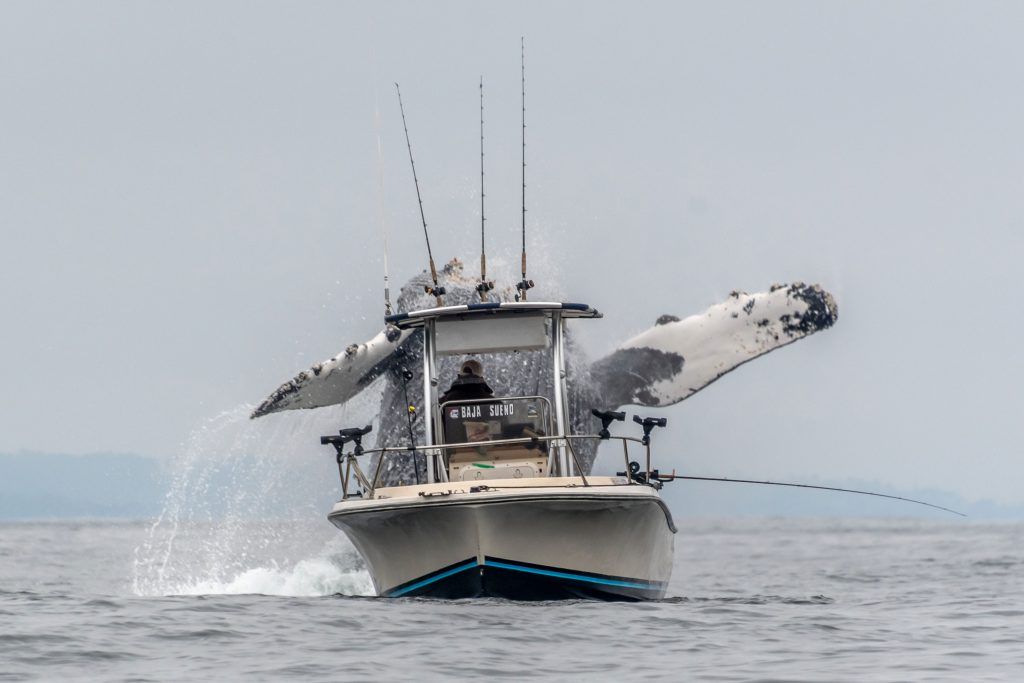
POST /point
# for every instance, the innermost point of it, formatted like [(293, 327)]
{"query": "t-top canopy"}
[(487, 310)]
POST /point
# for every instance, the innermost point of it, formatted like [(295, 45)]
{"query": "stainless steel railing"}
[(348, 465)]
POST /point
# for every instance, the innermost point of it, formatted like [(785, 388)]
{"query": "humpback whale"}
[(661, 366)]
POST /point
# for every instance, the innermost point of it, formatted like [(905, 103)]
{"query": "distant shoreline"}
[(133, 488)]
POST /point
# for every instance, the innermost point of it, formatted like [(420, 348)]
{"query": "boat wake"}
[(326, 575), (245, 511)]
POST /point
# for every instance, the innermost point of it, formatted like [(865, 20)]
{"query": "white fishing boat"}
[(505, 508)]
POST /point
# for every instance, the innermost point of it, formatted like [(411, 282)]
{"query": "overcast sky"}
[(188, 208)]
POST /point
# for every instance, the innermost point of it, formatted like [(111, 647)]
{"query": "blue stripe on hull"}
[(422, 583), (586, 578), (501, 578)]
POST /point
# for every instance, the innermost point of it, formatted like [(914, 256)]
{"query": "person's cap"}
[(472, 367)]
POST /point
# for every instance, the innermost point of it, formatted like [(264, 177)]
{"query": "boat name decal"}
[(477, 410)]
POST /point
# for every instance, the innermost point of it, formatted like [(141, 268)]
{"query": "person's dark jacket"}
[(467, 388)]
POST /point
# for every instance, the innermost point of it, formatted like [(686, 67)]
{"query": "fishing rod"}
[(674, 476), (484, 285), (523, 284), (437, 291), (381, 215), (380, 203)]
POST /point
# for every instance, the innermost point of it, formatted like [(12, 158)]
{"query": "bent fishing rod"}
[(674, 476)]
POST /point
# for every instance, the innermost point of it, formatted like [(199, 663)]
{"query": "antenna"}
[(484, 285), (437, 291), (523, 284)]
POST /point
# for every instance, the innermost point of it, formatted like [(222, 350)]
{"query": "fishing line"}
[(410, 412), (821, 488)]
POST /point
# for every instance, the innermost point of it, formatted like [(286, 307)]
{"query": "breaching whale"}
[(663, 365)]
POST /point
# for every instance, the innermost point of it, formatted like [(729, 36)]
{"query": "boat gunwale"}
[(504, 497)]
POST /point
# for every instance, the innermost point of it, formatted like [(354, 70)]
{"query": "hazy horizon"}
[(53, 486)]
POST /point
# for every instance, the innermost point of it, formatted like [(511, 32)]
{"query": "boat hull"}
[(607, 543)]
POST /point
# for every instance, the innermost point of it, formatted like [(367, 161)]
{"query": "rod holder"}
[(649, 423), (354, 435), (607, 417)]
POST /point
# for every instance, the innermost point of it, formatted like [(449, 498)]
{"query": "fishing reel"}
[(484, 286), (354, 435), (436, 291), (521, 288), (649, 423), (607, 417), (656, 479), (407, 376)]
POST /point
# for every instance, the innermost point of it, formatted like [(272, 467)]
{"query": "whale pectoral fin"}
[(337, 379), (677, 358)]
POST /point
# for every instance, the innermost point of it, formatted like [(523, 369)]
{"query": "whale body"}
[(661, 366)]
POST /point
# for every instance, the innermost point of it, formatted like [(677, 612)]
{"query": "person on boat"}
[(469, 384)]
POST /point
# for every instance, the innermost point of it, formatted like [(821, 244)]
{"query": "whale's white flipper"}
[(337, 379), (677, 358)]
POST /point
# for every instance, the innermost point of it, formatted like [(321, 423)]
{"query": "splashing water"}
[(333, 572), (245, 512)]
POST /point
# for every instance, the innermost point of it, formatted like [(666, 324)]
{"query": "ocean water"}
[(750, 600)]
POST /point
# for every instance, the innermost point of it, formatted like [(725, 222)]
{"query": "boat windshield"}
[(492, 419)]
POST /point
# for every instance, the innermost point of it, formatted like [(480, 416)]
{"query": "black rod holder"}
[(649, 423), (607, 417), (354, 435)]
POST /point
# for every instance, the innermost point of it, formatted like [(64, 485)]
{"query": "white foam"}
[(307, 578)]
